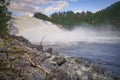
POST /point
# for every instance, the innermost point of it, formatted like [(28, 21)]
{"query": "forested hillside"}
[(69, 19)]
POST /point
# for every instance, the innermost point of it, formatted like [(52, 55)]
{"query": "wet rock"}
[(49, 66), (38, 75), (116, 78), (19, 38), (59, 60), (68, 68), (48, 55), (22, 63), (84, 77), (58, 74), (83, 68), (3, 56), (3, 77), (38, 58), (29, 77), (49, 50), (12, 57), (90, 76), (40, 48), (3, 50), (79, 72)]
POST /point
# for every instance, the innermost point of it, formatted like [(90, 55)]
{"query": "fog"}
[(34, 30)]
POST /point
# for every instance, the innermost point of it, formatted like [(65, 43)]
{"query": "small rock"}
[(39, 76), (3, 56), (58, 74), (48, 55), (59, 60), (29, 77), (90, 76), (40, 48), (49, 50), (79, 72), (22, 63), (84, 77)]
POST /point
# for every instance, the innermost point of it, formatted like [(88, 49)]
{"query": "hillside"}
[(69, 19)]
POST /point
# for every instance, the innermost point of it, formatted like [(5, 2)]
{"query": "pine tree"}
[(5, 17)]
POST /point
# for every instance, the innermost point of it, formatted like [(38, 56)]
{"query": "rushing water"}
[(106, 55)]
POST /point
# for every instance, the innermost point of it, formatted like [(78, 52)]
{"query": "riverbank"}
[(21, 60)]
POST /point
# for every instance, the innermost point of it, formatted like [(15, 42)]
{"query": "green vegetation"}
[(69, 19), (110, 15), (41, 16), (5, 16)]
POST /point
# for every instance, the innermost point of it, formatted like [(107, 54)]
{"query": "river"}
[(105, 55)]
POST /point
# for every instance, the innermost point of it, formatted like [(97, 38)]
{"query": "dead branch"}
[(35, 65), (42, 40)]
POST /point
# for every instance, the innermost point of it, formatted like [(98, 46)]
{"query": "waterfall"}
[(34, 29)]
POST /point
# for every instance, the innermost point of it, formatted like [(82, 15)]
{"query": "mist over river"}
[(99, 47)]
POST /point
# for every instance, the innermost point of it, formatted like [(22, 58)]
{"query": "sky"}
[(22, 7)]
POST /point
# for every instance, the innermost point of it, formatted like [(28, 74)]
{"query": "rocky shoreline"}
[(21, 60)]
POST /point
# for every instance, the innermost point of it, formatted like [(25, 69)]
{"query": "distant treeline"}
[(69, 19)]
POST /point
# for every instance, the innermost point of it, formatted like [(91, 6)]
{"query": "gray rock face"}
[(23, 62)]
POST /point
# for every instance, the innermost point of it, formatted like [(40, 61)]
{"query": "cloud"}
[(33, 1), (32, 6), (73, 0), (26, 5), (56, 7), (23, 7)]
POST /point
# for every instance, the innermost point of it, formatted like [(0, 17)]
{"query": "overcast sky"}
[(51, 6)]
